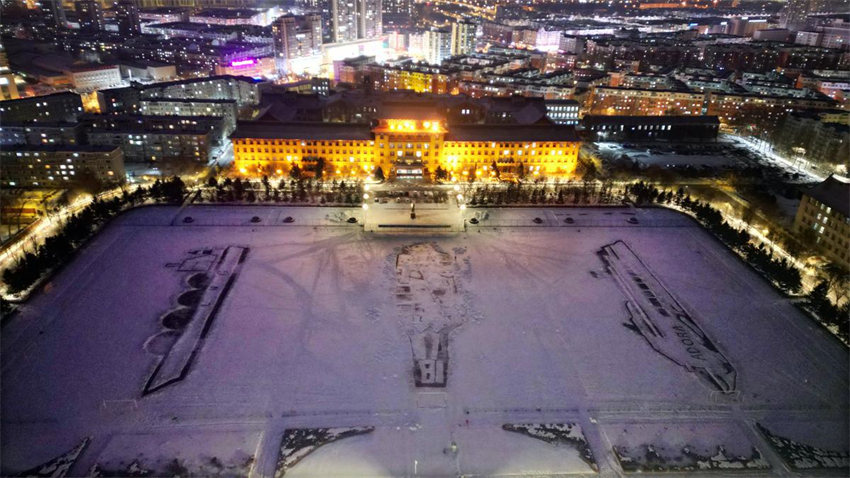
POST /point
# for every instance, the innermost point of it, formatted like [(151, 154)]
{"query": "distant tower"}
[(127, 14), (439, 45), (463, 38), (356, 19), (8, 87), (90, 13), (53, 13), (296, 37), (398, 7), (796, 11)]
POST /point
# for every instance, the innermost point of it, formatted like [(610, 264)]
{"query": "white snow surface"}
[(308, 337)]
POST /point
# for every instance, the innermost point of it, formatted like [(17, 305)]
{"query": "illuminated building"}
[(8, 82), (825, 211), (607, 100), (186, 138), (53, 13), (127, 14), (356, 19), (406, 148), (420, 79), (59, 133), (651, 128), (90, 14), (296, 37), (52, 108), (225, 109), (59, 166), (463, 38), (758, 112), (797, 11)]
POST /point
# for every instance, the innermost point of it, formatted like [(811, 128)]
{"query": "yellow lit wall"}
[(404, 139)]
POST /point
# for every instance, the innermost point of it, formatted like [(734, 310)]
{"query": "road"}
[(48, 225), (765, 151)]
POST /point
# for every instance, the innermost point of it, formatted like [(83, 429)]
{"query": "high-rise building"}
[(439, 45), (463, 38), (398, 7), (8, 87), (53, 13), (90, 14), (796, 11), (127, 13), (356, 19), (296, 37)]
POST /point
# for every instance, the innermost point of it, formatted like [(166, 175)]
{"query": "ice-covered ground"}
[(309, 336)]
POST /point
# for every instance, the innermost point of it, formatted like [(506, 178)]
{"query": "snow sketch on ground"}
[(801, 456), (227, 454), (300, 442), (329, 326), (213, 273), (657, 316), (569, 434), (60, 466), (682, 446), (430, 305)]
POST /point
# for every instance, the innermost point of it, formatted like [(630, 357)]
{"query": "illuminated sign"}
[(249, 61)]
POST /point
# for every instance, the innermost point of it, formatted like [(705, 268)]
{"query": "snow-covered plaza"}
[(271, 341)]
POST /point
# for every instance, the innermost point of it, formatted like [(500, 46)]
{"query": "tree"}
[(379, 174), (319, 169), (238, 189), (88, 182), (440, 174), (495, 168), (838, 280), (295, 172), (211, 182)]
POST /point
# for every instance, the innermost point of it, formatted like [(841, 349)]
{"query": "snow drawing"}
[(569, 434), (214, 272), (59, 466), (801, 456), (657, 316), (297, 443), (430, 304)]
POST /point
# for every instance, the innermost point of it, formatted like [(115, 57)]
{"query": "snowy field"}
[(230, 346)]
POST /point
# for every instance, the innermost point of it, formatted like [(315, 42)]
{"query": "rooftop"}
[(832, 192), (511, 132), (309, 131), (643, 120)]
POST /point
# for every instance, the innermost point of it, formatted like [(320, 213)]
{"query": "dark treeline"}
[(300, 190), (778, 270), (58, 248), (573, 192)]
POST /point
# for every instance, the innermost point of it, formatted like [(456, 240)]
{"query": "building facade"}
[(463, 38), (651, 128), (127, 14), (824, 217), (407, 148), (356, 19), (609, 100), (40, 133), (52, 108), (60, 166), (296, 37)]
